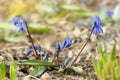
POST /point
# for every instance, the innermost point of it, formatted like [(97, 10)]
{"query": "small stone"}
[(76, 32), (26, 77), (45, 76), (20, 74), (1, 58), (84, 37)]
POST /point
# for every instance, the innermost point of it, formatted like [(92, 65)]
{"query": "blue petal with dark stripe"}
[(29, 52), (20, 24), (57, 47), (38, 48), (97, 25)]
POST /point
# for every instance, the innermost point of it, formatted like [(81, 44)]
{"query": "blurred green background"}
[(42, 16)]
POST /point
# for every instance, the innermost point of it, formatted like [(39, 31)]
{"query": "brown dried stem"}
[(82, 48), (32, 43)]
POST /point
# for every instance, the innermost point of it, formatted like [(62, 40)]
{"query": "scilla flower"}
[(109, 13), (38, 48), (97, 25), (29, 52), (20, 24), (67, 43)]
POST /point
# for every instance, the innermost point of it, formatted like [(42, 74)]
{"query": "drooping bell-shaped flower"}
[(97, 25), (20, 24), (38, 48)]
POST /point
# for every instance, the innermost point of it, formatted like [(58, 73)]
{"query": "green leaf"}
[(57, 18), (79, 70), (113, 53), (38, 71), (13, 71), (109, 68), (45, 8), (116, 15), (70, 8), (103, 53), (35, 63), (68, 70), (78, 12), (40, 30), (2, 70), (97, 66), (84, 14)]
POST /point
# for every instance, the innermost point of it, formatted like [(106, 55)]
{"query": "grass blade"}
[(113, 53), (13, 71), (2, 70)]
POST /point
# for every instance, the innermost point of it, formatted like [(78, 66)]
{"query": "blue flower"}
[(46, 56), (109, 13), (97, 25), (64, 44), (67, 43), (67, 60), (29, 52), (38, 48), (57, 47), (21, 25)]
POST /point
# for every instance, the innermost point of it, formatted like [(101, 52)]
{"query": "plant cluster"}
[(107, 66), (41, 64), (12, 71)]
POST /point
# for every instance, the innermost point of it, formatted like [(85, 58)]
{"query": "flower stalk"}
[(82, 48), (95, 30), (32, 44), (22, 26)]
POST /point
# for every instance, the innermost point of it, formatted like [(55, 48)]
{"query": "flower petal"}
[(38, 48), (57, 47), (64, 44), (21, 25), (97, 25), (69, 42), (29, 52)]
